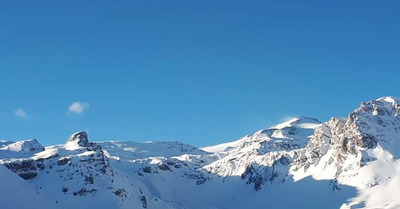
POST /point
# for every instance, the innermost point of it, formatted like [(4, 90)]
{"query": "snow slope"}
[(17, 193)]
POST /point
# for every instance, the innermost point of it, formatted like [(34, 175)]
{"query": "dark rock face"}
[(144, 201), (261, 175), (121, 193), (163, 167), (198, 176), (80, 138), (366, 141), (147, 169), (85, 192), (89, 180), (63, 161), (28, 176), (25, 169)]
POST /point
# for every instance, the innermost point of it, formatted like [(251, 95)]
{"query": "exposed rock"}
[(267, 154), (81, 138), (89, 180), (147, 169), (199, 176), (24, 168), (376, 121), (164, 167), (144, 201), (120, 193), (28, 175), (84, 192), (64, 161)]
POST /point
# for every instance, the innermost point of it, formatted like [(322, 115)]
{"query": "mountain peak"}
[(80, 138), (30, 145), (384, 106)]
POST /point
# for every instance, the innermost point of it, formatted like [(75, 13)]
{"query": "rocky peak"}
[(80, 138), (385, 106), (376, 122)]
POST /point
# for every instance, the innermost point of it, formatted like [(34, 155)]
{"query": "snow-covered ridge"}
[(29, 145), (19, 148), (343, 163), (295, 131), (261, 150)]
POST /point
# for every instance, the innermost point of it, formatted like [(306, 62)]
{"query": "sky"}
[(200, 72)]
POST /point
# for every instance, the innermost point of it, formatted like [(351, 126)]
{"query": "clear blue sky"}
[(200, 72)]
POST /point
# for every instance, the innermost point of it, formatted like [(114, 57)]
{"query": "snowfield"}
[(345, 163)]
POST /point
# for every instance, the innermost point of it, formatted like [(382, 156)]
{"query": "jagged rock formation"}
[(374, 123), (80, 138)]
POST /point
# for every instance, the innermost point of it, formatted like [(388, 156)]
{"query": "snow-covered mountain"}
[(301, 163)]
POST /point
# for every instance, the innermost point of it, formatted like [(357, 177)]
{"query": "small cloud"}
[(78, 107), (20, 113)]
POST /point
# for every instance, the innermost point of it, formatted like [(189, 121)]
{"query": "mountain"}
[(343, 163)]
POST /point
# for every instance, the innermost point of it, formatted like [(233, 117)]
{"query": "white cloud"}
[(78, 107), (20, 113)]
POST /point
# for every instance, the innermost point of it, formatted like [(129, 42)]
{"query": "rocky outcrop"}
[(339, 140), (26, 169), (80, 138), (262, 175)]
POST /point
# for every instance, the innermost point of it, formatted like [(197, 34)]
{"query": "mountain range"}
[(345, 163)]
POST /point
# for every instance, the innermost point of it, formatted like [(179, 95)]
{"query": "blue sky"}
[(201, 72)]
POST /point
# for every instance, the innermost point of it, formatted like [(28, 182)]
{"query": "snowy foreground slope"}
[(15, 192), (302, 163)]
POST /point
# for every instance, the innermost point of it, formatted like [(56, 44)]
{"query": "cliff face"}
[(343, 143)]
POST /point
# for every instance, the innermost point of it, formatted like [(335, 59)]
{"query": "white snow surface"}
[(15, 192), (301, 163)]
